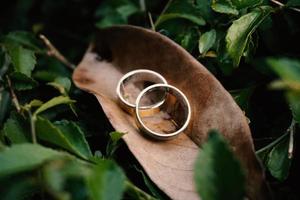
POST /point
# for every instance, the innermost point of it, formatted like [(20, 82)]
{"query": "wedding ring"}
[(132, 83), (169, 119)]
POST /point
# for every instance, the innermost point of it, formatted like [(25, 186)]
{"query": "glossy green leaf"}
[(207, 40), (278, 162), (21, 81), (181, 10), (239, 32), (16, 129), (22, 59), (54, 102), (204, 7), (106, 181), (64, 134), (22, 157), (218, 174)]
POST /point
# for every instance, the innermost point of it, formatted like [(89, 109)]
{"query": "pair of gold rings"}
[(161, 110)]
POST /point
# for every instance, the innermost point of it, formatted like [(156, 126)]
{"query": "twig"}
[(143, 5), (291, 141), (282, 5), (53, 52), (163, 11), (151, 21), (13, 95), (139, 194)]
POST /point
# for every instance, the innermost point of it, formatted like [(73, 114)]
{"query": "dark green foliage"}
[(251, 46), (218, 174)]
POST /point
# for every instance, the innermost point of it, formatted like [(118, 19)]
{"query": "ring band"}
[(148, 76), (173, 92)]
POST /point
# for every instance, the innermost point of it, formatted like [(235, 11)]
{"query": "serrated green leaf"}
[(21, 81), (22, 157), (207, 40), (64, 134), (278, 162), (181, 10), (106, 182), (62, 84), (16, 129), (239, 32), (25, 39), (218, 174), (22, 59), (53, 102)]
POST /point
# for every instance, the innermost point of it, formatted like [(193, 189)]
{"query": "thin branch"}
[(53, 52), (291, 130), (143, 5), (151, 21), (13, 95), (282, 5), (163, 11)]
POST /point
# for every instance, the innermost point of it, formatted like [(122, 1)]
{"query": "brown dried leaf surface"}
[(169, 164)]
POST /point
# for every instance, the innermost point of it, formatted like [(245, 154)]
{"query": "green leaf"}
[(179, 9), (62, 84), (204, 7), (239, 32), (22, 59), (21, 81), (64, 134), (207, 40), (106, 182), (294, 101), (22, 157), (53, 102), (113, 143), (233, 6), (278, 162), (33, 103), (218, 174), (287, 69), (16, 129), (23, 38), (224, 6)]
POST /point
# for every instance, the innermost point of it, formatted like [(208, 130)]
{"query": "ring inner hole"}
[(169, 117), (132, 86)]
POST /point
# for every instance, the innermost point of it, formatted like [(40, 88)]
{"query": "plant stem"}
[(291, 141), (32, 127), (143, 5), (282, 5), (53, 52), (163, 11), (151, 21), (13, 95), (137, 193)]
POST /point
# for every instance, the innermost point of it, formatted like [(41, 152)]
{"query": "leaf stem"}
[(291, 130), (136, 192), (32, 127), (284, 6), (13, 95), (53, 52)]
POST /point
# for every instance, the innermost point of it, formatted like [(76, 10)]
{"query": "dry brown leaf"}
[(169, 164)]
